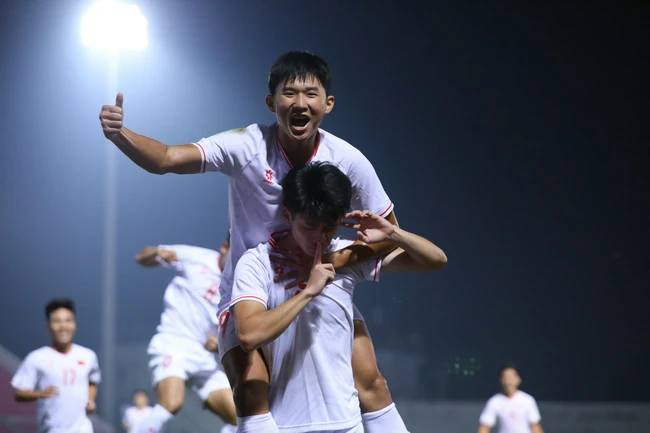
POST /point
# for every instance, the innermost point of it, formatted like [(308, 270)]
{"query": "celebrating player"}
[(61, 377), (515, 410), (183, 349), (137, 413), (306, 335), (256, 159)]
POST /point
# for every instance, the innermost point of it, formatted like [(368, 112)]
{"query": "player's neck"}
[(61, 348), (299, 152), (510, 394)]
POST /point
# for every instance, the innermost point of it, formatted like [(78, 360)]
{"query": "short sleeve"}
[(368, 192), (188, 253), (95, 374), (533, 412), (489, 414), (126, 419), (370, 269), (226, 152), (26, 377), (251, 281)]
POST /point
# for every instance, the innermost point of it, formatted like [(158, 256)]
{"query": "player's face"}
[(300, 107), (140, 399), (308, 233), (62, 326), (510, 380)]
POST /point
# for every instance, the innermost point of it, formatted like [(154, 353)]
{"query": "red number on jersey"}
[(69, 375), (213, 290)]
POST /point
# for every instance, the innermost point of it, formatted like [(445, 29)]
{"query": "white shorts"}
[(173, 356), (227, 335), (356, 429)]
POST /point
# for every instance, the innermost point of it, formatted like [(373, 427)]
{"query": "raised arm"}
[(150, 154), (152, 256), (413, 253)]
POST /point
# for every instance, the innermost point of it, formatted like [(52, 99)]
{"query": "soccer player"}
[(256, 159), (135, 414), (61, 377), (183, 349), (515, 410), (306, 335)]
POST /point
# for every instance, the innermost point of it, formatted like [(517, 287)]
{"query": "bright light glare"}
[(114, 26)]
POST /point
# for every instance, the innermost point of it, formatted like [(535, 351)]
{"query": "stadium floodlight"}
[(114, 26), (111, 27)]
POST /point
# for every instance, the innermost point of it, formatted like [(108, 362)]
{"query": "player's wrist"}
[(397, 236)]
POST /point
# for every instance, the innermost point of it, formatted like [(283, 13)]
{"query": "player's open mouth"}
[(299, 122)]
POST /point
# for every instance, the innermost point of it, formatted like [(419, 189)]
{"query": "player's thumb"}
[(119, 100)]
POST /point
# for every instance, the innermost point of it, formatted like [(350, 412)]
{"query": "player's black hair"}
[(319, 192), (508, 365), (57, 303), (299, 65)]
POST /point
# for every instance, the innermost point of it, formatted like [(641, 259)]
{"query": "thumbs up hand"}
[(112, 116)]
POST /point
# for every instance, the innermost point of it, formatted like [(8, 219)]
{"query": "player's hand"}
[(91, 406), (370, 228), (168, 256), (50, 392), (321, 274), (112, 117), (295, 267), (212, 344)]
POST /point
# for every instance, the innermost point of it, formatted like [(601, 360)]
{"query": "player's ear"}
[(329, 104), (270, 104), (286, 215)]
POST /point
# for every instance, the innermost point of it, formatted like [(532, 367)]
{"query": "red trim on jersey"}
[(286, 158), (247, 297), (386, 210), (374, 277), (205, 158), (272, 242)]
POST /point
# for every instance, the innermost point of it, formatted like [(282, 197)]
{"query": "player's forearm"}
[(483, 429), (422, 251), (148, 153), (148, 257), (263, 327), (536, 428), (92, 392), (23, 395)]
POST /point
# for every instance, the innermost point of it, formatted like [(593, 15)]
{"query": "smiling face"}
[(62, 326), (299, 107)]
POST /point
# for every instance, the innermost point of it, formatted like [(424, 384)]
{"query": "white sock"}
[(257, 424), (155, 422), (228, 428), (386, 420)]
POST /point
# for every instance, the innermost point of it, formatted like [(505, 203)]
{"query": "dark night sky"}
[(516, 139)]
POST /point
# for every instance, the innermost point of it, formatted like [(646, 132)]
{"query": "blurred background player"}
[(134, 415), (61, 377), (515, 410), (183, 349)]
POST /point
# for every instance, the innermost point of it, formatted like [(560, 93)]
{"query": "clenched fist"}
[(112, 117)]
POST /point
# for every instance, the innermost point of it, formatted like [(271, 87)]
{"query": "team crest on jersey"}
[(80, 362), (268, 177)]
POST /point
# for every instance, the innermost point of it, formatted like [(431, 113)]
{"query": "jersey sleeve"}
[(489, 414), (368, 191), (95, 374), (226, 152), (533, 412), (251, 281), (26, 377), (126, 418)]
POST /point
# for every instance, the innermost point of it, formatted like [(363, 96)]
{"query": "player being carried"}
[(306, 335), (256, 159), (183, 349), (61, 377)]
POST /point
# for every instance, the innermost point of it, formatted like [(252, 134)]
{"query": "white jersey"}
[(514, 414), (310, 364), (71, 374), (256, 164), (134, 416), (192, 297)]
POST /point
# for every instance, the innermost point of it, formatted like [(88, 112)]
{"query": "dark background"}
[(516, 138)]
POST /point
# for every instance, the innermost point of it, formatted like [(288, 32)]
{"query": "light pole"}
[(111, 26)]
